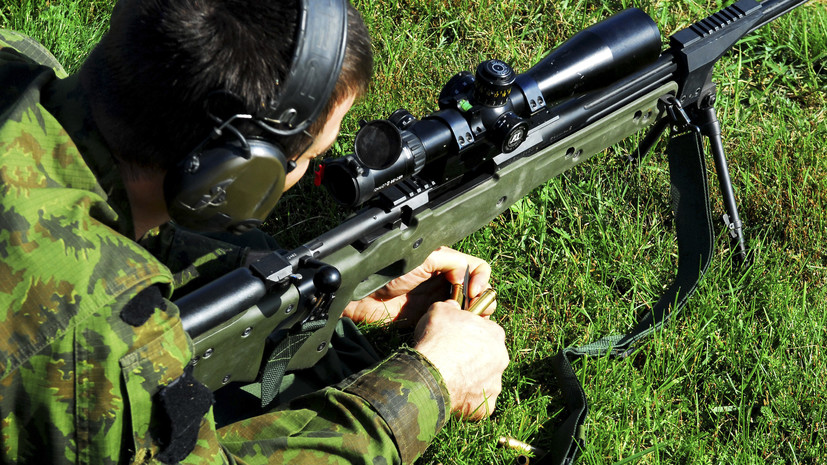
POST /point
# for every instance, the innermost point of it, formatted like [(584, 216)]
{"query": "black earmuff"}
[(231, 182), (218, 189)]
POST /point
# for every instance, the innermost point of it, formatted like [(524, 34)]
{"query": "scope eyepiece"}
[(378, 144), (383, 155)]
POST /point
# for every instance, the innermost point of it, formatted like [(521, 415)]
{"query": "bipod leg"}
[(707, 121), (649, 140)]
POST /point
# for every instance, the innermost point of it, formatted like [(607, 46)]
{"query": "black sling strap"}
[(695, 235)]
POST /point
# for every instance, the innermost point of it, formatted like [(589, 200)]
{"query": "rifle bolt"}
[(247, 331), (208, 352)]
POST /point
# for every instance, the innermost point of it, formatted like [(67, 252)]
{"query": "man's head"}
[(152, 73), (154, 78)]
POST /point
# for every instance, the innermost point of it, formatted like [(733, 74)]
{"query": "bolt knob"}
[(327, 279)]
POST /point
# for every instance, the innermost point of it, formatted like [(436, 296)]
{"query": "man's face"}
[(322, 142)]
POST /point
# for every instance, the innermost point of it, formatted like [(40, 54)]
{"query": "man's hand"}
[(469, 352), (405, 299)]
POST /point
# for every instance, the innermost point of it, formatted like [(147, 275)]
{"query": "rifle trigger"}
[(320, 309)]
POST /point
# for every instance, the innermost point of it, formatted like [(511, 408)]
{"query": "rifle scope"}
[(488, 112)]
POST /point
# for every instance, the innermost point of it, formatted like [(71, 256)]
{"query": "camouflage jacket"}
[(92, 352)]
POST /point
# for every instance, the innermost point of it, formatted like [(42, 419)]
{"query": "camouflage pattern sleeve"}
[(407, 390), (15, 42), (387, 414)]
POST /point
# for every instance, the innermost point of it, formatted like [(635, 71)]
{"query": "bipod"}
[(704, 121), (696, 245)]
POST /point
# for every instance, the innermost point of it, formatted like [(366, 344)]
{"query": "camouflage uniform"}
[(92, 352)]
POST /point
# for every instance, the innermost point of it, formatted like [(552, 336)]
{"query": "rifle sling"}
[(280, 357), (695, 235)]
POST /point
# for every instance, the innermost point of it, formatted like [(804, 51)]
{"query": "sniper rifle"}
[(496, 136)]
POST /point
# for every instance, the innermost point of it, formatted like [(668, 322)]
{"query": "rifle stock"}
[(399, 250), (382, 242)]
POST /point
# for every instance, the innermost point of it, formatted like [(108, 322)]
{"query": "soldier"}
[(93, 355)]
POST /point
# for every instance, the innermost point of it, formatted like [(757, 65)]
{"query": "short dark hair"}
[(152, 72)]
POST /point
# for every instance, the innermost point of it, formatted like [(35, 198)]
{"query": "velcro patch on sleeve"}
[(142, 306), (185, 402)]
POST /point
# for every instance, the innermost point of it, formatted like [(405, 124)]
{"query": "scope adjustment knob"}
[(492, 83), (418, 154), (510, 131)]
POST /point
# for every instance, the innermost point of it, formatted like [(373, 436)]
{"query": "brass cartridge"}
[(483, 302), (513, 443)]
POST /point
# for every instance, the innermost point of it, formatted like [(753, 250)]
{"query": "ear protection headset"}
[(230, 182)]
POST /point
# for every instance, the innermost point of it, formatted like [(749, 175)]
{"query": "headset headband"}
[(317, 63)]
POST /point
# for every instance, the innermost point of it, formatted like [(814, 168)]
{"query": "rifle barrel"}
[(772, 9)]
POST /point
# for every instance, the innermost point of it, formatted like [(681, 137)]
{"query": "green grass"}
[(69, 29), (741, 376)]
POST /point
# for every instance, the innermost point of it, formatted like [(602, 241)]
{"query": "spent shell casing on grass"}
[(483, 302), (513, 443)]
